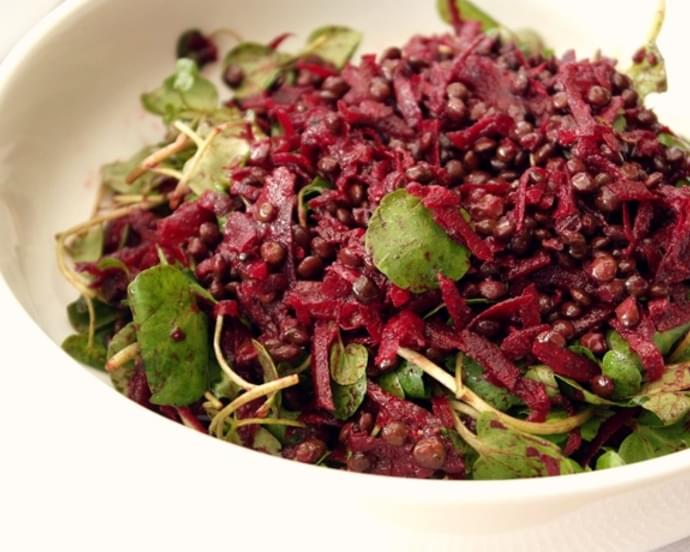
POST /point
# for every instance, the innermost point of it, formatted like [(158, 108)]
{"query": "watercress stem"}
[(232, 375), (122, 357), (157, 157)]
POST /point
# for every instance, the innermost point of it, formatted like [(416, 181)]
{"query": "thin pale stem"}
[(232, 375), (469, 397), (122, 357), (268, 421), (157, 157)]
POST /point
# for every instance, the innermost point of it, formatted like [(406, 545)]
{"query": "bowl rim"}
[(426, 491)]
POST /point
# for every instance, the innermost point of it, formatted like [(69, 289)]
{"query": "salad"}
[(465, 258)]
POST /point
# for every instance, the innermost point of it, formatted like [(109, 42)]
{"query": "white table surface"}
[(15, 19)]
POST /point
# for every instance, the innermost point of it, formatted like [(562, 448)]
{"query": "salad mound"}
[(466, 258)]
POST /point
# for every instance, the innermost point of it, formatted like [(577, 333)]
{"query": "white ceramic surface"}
[(83, 466)]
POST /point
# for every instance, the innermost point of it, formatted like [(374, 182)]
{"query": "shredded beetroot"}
[(404, 330), (565, 362), (456, 305), (324, 335), (518, 343), (496, 366)]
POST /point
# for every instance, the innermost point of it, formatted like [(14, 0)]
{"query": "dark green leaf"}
[(474, 378), (162, 300), (315, 187), (78, 315), (409, 247), (260, 64), (590, 428), (114, 175), (646, 443), (87, 247), (610, 459), (334, 44), (112, 263), (348, 398), (77, 346), (122, 375), (508, 454), (649, 74), (348, 364), (184, 95)]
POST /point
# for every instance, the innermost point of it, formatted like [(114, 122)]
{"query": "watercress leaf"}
[(209, 168), (585, 352), (78, 314), (114, 175), (334, 44), (268, 367), (261, 66), (579, 393), (625, 369), (666, 340), (186, 94), (469, 11), (87, 247), (390, 383), (646, 442), (348, 363), (544, 374), (221, 385), (681, 353), (409, 247), (162, 301), (122, 375), (590, 429), (265, 441), (315, 187), (474, 378), (348, 398), (508, 454), (668, 398), (610, 459), (648, 74), (279, 430), (411, 379), (112, 263), (77, 346)]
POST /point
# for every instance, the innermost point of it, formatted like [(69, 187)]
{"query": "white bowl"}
[(69, 97)]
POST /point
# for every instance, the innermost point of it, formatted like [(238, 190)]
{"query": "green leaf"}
[(334, 44), (314, 188), (646, 443), (666, 340), (590, 428), (673, 140), (390, 383), (268, 367), (162, 301), (469, 11), (409, 247), (623, 366), (122, 375), (186, 94), (348, 364), (610, 459), (112, 263), (669, 397), (209, 168), (544, 374), (620, 123), (579, 393), (114, 175), (77, 346), (508, 454), (78, 315), (265, 441), (348, 398), (260, 64), (87, 247), (647, 77), (682, 351), (474, 378), (411, 379), (221, 385)]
